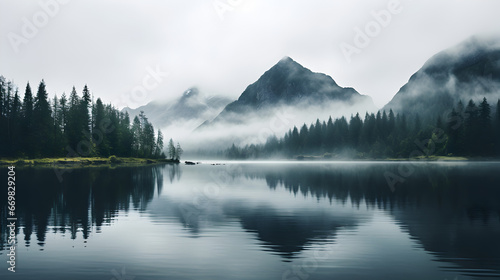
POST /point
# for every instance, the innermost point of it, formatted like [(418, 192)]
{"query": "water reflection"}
[(452, 211), (83, 199)]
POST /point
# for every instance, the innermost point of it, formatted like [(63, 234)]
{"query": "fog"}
[(255, 127), (470, 70)]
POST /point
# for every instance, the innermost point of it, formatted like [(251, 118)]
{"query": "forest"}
[(468, 131), (72, 126)]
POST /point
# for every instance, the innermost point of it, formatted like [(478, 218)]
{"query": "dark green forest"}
[(71, 126), (472, 131)]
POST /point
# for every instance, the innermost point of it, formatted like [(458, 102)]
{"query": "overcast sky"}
[(221, 46)]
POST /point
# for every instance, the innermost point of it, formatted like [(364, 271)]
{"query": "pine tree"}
[(63, 119), (27, 122), (391, 124), (159, 144), (355, 127), (171, 149), (73, 128), (125, 146), (57, 127), (99, 121), (43, 125), (136, 136), (84, 120), (294, 141), (485, 132), (149, 140), (329, 135), (471, 126), (178, 152), (304, 139)]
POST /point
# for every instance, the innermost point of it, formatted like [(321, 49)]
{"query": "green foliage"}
[(74, 127)]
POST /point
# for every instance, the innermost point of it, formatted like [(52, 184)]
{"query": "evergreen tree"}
[(136, 136), (294, 141), (99, 121), (127, 140), (43, 126), (471, 126), (178, 152), (329, 135), (63, 119), (159, 144), (57, 117), (149, 140), (485, 141), (27, 122), (355, 127), (84, 122), (303, 139), (391, 124), (73, 128), (171, 149)]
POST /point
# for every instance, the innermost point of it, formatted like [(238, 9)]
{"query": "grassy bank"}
[(83, 161)]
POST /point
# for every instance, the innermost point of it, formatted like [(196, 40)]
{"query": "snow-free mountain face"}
[(192, 107), (290, 84), (470, 70)]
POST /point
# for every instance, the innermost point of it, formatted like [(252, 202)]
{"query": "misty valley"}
[(298, 178), (449, 109)]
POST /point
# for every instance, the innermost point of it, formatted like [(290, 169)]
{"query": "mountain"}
[(290, 84), (470, 70), (190, 107)]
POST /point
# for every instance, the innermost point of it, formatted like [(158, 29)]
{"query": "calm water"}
[(257, 221)]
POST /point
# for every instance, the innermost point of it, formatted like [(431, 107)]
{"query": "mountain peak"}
[(288, 63), (286, 59), (289, 83), (191, 92)]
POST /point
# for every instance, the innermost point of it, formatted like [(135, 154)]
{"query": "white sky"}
[(109, 45)]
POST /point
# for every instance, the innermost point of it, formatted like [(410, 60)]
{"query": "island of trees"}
[(73, 126), (466, 131)]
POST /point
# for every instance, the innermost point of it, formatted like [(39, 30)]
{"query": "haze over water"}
[(258, 220)]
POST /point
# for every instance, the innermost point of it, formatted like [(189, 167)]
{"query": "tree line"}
[(471, 130), (72, 126)]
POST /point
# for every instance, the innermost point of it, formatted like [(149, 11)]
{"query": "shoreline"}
[(341, 159), (79, 162)]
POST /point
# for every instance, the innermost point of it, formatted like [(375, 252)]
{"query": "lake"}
[(257, 220)]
